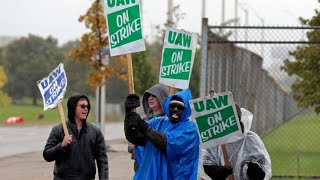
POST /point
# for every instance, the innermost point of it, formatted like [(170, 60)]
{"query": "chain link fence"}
[(247, 61)]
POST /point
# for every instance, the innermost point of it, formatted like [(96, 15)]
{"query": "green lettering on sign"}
[(176, 64), (211, 104), (124, 26), (179, 39), (216, 125), (113, 3)]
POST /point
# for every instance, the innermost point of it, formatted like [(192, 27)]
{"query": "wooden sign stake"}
[(226, 159), (130, 74), (63, 120)]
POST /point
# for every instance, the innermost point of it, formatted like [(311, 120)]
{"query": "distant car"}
[(15, 120)]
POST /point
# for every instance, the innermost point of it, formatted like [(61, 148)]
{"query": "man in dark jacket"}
[(75, 154)]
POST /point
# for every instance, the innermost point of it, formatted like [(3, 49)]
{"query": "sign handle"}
[(130, 74), (63, 121), (171, 90), (226, 159)]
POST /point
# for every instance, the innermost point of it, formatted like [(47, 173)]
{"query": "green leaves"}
[(306, 66), (91, 45)]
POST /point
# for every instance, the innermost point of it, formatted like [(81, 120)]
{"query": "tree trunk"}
[(34, 98)]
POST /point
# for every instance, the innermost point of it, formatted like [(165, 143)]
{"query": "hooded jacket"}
[(77, 161), (248, 149), (182, 149), (161, 92)]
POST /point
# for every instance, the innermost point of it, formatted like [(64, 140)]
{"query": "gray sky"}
[(59, 18)]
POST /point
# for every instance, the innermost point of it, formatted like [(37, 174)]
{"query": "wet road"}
[(23, 139)]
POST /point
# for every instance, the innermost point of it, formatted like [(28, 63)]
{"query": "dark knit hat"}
[(176, 100)]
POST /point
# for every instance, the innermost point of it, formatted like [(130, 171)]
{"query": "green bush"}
[(5, 100)]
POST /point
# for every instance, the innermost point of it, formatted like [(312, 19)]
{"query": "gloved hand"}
[(131, 102), (255, 172), (143, 126), (133, 120), (216, 172), (132, 131)]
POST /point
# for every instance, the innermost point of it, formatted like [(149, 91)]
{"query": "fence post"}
[(204, 46)]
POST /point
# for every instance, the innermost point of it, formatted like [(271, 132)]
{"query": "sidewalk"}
[(32, 166)]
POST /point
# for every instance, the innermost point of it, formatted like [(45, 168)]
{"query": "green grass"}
[(30, 113), (294, 147)]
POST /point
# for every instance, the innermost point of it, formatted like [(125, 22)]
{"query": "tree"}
[(77, 72), (28, 60), (177, 15), (144, 72), (91, 46), (155, 49), (5, 100), (306, 67), (195, 75)]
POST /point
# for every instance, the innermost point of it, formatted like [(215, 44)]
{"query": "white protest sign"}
[(124, 26), (53, 87), (177, 58), (217, 119)]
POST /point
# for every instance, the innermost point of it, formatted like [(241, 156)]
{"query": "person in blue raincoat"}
[(166, 147)]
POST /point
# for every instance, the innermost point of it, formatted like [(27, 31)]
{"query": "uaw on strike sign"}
[(217, 119), (53, 87), (124, 26), (177, 58)]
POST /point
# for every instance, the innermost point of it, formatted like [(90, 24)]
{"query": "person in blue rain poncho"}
[(167, 147)]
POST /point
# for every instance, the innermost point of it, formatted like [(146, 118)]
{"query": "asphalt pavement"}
[(24, 139)]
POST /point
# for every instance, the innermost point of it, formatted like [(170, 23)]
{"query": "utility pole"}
[(236, 17), (247, 24), (222, 15), (222, 11), (100, 91), (170, 6), (203, 8)]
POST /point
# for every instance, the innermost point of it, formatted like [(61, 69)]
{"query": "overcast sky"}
[(59, 18)]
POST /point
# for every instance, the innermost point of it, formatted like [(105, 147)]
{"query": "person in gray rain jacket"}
[(248, 157), (75, 154), (152, 103)]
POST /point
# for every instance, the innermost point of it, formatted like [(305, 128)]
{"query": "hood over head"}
[(186, 96), (72, 104), (160, 91), (246, 119)]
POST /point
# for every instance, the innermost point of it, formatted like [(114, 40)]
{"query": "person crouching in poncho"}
[(248, 156)]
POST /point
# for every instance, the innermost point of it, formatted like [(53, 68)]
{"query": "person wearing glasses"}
[(76, 155), (152, 102), (166, 147)]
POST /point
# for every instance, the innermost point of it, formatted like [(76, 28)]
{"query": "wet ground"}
[(32, 166), (23, 139)]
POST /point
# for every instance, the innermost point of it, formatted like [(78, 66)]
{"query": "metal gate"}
[(247, 60)]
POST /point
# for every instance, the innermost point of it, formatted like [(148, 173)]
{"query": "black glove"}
[(132, 129), (255, 171), (132, 101), (143, 126), (217, 172)]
